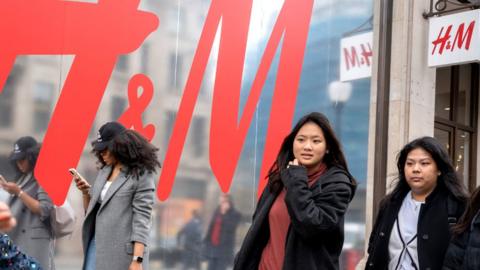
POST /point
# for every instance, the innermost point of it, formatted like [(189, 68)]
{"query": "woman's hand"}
[(7, 221), (135, 266), (294, 162), (11, 187), (82, 185)]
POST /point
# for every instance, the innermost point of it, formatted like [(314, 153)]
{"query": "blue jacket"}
[(11, 258)]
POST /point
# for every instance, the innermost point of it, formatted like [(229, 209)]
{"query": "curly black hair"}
[(134, 152)]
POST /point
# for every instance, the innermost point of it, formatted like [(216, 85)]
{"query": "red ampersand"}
[(132, 118)]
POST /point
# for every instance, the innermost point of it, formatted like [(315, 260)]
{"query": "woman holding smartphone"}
[(30, 205), (298, 221), (119, 204)]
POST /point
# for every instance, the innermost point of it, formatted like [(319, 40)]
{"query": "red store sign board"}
[(454, 39)]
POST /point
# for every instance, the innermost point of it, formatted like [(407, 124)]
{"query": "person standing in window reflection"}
[(298, 222), (30, 205), (220, 237), (413, 227), (119, 205), (189, 240)]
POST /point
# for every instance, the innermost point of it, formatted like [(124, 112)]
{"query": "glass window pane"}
[(122, 63), (463, 105), (198, 136), (118, 107), (461, 159), (442, 95), (7, 101), (444, 137), (43, 99)]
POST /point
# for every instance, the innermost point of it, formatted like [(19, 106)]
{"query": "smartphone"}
[(75, 173)]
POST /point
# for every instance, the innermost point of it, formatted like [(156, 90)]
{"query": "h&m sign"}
[(454, 39), (356, 57)]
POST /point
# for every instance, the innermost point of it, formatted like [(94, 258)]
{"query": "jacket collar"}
[(116, 184), (102, 179)]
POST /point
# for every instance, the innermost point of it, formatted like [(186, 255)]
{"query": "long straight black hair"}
[(447, 178), (334, 157)]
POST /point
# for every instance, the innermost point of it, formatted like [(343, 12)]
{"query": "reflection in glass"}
[(443, 93), (166, 57), (464, 95), (462, 155), (42, 104), (118, 106), (7, 102), (444, 136), (122, 63)]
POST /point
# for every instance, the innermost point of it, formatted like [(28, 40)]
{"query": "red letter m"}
[(351, 57), (460, 37), (292, 25)]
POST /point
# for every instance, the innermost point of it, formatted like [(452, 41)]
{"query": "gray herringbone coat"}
[(123, 217)]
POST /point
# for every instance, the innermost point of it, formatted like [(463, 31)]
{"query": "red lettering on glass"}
[(96, 34), (366, 54), (228, 131), (351, 57), (132, 118), (115, 27)]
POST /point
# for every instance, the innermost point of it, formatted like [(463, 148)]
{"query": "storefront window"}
[(443, 94), (166, 56), (455, 107), (462, 155), (464, 95)]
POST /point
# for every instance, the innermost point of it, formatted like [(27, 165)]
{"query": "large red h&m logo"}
[(461, 41), (97, 33)]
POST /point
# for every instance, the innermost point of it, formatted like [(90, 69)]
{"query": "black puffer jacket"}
[(315, 236), (464, 250)]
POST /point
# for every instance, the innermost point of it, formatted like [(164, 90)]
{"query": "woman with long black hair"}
[(298, 221), (413, 227), (119, 205)]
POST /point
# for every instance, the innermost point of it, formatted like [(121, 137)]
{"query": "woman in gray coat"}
[(30, 205), (119, 205)]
